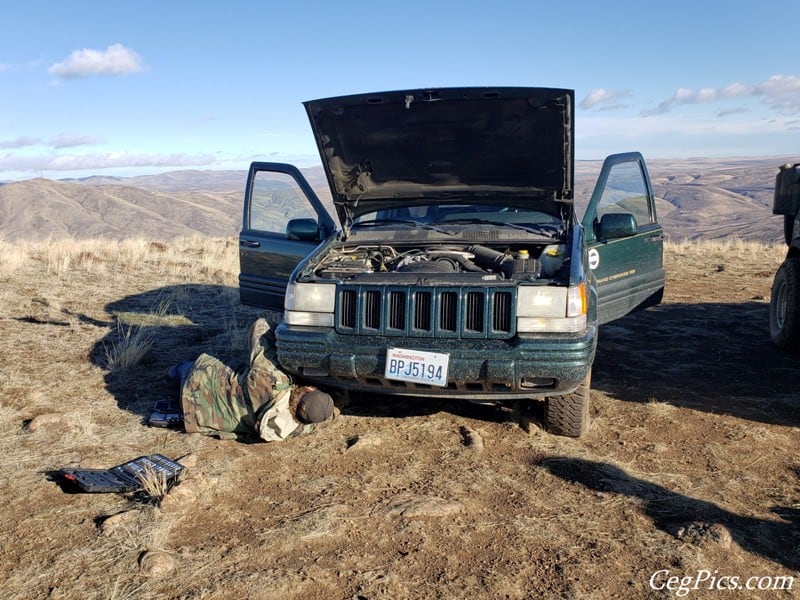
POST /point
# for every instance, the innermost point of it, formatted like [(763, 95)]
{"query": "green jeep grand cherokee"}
[(459, 268)]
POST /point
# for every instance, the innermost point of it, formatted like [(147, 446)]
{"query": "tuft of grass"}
[(154, 483), (659, 408), (134, 341), (12, 256), (131, 346)]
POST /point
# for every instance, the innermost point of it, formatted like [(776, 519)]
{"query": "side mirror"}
[(305, 230), (616, 225)]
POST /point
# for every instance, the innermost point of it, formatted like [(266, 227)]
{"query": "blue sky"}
[(113, 88)]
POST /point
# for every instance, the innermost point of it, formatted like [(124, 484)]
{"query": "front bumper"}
[(523, 367)]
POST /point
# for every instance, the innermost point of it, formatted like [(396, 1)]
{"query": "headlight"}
[(310, 304), (551, 309)]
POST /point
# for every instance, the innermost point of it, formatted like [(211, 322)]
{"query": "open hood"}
[(388, 148)]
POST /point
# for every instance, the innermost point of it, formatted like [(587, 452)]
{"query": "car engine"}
[(478, 260)]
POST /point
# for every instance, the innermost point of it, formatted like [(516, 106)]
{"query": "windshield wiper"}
[(550, 231), (410, 223)]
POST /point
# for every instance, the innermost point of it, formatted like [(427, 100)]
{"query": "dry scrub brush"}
[(63, 299), (729, 248), (131, 346), (193, 255), (179, 257), (155, 483), (12, 256)]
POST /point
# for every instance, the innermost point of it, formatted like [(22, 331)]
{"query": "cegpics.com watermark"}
[(704, 579)]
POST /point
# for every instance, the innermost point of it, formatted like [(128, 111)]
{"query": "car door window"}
[(627, 266), (275, 194), (626, 192), (276, 199)]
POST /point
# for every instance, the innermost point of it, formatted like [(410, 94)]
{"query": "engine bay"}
[(532, 261)]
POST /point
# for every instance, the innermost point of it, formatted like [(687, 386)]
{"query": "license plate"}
[(417, 366)]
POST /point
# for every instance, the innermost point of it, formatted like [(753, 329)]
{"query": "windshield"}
[(452, 217)]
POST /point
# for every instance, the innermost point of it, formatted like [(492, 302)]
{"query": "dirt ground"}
[(690, 470)]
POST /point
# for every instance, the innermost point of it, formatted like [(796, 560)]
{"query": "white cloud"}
[(70, 141), (779, 92), (60, 141), (603, 98), (681, 135), (19, 166), (98, 161), (733, 111), (114, 60), (20, 142)]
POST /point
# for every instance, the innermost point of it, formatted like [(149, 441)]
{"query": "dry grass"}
[(155, 484), (738, 246), (687, 428), (178, 258), (130, 347), (12, 256)]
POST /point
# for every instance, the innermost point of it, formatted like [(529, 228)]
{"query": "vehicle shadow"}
[(674, 513), (182, 321), (164, 326), (714, 357), (397, 407)]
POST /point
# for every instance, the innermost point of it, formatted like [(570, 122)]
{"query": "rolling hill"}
[(697, 199), (708, 198), (39, 208)]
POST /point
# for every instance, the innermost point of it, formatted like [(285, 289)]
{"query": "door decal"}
[(594, 259)]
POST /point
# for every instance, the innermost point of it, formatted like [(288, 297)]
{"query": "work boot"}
[(260, 338), (177, 373)]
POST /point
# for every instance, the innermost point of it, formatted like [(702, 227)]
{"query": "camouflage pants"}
[(249, 402)]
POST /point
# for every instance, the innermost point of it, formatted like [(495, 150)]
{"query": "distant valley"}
[(707, 198), (697, 199)]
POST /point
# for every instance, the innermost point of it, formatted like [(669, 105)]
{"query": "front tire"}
[(784, 306), (568, 415)]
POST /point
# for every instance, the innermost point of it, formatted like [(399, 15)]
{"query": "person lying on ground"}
[(255, 400)]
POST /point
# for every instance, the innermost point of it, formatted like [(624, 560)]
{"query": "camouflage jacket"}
[(249, 402)]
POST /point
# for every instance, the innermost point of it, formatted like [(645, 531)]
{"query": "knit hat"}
[(314, 407)]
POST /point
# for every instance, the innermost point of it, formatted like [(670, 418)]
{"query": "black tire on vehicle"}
[(569, 414), (784, 306)]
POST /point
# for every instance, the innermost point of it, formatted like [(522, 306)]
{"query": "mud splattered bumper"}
[(522, 367)]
